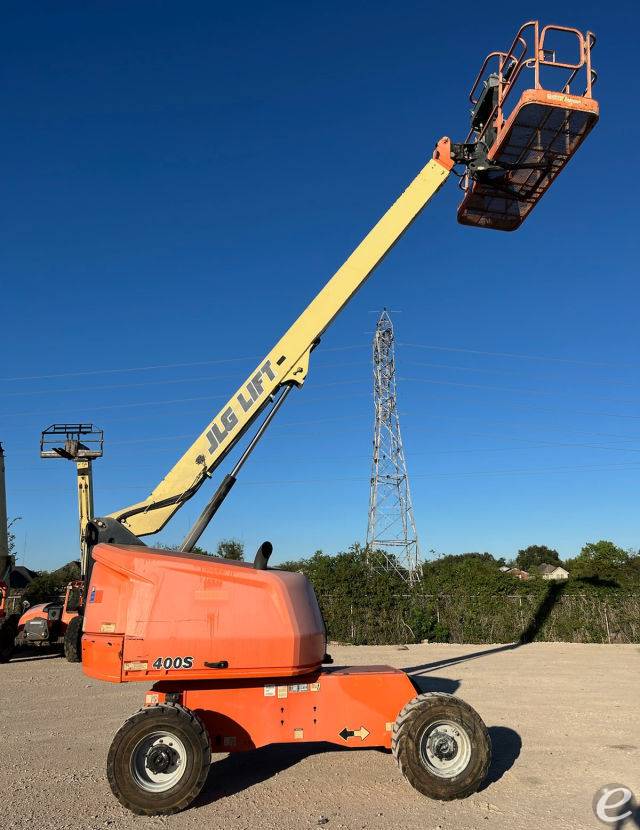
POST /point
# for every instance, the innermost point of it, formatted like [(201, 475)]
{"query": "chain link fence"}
[(464, 618), (475, 618)]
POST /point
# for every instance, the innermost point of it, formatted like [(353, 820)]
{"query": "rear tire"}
[(7, 639), (159, 760), (442, 746), (73, 640)]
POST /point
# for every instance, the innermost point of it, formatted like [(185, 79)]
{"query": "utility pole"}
[(5, 560), (392, 538)]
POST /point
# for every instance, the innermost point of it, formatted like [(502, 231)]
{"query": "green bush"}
[(466, 598), (49, 585)]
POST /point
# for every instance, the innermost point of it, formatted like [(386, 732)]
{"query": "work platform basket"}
[(532, 108)]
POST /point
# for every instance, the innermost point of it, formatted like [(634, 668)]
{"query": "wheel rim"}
[(445, 748), (158, 761)]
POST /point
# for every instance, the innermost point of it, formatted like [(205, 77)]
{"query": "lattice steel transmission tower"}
[(392, 527)]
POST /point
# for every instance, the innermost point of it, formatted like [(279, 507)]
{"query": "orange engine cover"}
[(154, 614), (45, 610)]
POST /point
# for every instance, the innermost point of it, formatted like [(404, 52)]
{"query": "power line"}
[(431, 414), (125, 369), (585, 412), (141, 384), (156, 366), (463, 474), (220, 361), (315, 366), (282, 426), (111, 386), (514, 372), (190, 435), (514, 389), (506, 472), (107, 465), (546, 428), (165, 402), (521, 356), (354, 382)]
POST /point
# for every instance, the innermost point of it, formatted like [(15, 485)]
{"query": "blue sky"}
[(179, 179)]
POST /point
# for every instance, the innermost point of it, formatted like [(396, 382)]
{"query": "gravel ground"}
[(564, 720)]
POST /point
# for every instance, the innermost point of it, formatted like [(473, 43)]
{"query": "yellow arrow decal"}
[(361, 733)]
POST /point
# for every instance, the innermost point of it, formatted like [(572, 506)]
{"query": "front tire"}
[(442, 746), (159, 760), (73, 640)]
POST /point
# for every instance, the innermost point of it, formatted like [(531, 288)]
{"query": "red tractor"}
[(54, 623)]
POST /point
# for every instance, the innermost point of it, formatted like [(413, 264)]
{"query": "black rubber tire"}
[(73, 640), (185, 725), (408, 729), (8, 630)]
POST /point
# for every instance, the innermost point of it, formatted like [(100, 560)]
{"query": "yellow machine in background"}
[(82, 444), (60, 622)]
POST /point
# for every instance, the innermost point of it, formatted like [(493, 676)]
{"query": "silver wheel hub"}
[(158, 761), (445, 748)]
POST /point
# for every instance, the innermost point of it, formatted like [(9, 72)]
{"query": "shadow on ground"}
[(505, 749), (26, 655), (416, 671), (435, 684), (238, 772)]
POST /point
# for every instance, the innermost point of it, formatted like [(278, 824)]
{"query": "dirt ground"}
[(564, 720)]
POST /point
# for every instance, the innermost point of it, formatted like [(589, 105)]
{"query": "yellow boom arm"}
[(287, 363)]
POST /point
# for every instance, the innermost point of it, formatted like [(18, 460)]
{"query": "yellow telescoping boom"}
[(515, 149), (284, 367)]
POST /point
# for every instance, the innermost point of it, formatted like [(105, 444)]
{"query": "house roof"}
[(21, 576), (518, 572), (548, 569)]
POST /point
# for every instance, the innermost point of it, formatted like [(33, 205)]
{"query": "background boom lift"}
[(55, 623), (236, 653)]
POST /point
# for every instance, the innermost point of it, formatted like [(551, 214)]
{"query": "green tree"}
[(604, 560), (604, 553), (231, 549), (466, 598), (49, 585), (360, 600), (634, 564), (535, 555), (473, 573), (11, 538), (196, 549)]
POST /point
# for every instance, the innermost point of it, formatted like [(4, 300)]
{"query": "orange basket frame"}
[(488, 205)]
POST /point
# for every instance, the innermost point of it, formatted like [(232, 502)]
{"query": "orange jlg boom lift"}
[(235, 652)]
